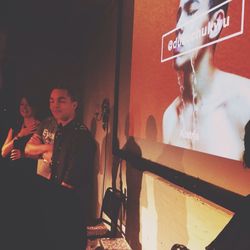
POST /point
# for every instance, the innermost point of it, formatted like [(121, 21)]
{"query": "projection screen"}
[(190, 75)]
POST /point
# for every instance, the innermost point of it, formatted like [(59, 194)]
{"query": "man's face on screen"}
[(192, 17)]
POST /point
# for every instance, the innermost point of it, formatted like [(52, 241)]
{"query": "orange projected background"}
[(154, 84)]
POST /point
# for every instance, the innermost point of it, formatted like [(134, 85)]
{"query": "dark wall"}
[(44, 42)]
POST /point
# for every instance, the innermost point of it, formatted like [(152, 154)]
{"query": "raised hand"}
[(26, 130)]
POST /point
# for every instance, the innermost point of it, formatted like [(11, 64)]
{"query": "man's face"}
[(190, 20), (62, 106)]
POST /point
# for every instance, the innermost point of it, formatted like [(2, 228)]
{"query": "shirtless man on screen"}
[(213, 107)]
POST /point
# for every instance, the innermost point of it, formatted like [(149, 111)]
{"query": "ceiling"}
[(61, 26)]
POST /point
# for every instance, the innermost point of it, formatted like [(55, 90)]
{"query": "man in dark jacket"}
[(67, 150)]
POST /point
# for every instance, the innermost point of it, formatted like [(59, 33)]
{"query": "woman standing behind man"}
[(20, 188), (21, 133)]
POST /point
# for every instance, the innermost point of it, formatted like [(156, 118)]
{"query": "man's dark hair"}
[(72, 91), (213, 3)]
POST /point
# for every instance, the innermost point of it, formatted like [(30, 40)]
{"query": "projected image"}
[(213, 106), (203, 90)]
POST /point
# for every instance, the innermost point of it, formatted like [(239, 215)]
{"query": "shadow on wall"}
[(133, 180), (106, 152), (151, 129), (103, 162)]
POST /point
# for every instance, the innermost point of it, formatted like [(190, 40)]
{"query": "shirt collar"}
[(68, 125)]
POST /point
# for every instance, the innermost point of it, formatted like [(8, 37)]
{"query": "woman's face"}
[(25, 109)]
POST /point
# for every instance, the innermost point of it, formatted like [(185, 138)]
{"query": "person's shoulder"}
[(236, 97), (83, 133), (170, 118), (171, 110), (81, 129), (48, 120), (233, 80), (49, 123), (234, 88), (16, 125)]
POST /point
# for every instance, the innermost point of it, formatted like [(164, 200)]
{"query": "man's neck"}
[(198, 79), (65, 122)]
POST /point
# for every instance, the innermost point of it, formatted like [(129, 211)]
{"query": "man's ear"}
[(75, 105), (216, 23)]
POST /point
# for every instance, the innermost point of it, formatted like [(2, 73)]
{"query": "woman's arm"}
[(8, 144)]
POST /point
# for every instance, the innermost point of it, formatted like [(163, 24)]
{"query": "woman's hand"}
[(15, 154), (28, 130)]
